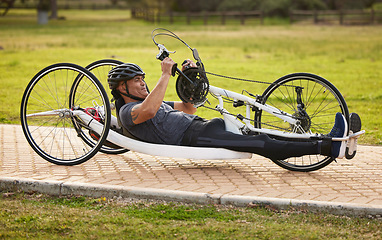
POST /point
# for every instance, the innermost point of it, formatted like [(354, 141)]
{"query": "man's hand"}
[(166, 65), (187, 64)]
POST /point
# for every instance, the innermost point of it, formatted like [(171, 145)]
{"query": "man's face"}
[(136, 87)]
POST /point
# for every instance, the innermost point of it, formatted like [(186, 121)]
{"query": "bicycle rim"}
[(54, 136), (100, 69), (322, 101)]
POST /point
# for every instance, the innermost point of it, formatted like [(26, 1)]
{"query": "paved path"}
[(358, 181)]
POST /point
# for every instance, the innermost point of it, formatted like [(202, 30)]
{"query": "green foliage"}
[(377, 6), (279, 8), (43, 5), (239, 5), (172, 211), (276, 7), (38, 216)]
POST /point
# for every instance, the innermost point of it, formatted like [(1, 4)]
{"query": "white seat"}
[(162, 149), (174, 150)]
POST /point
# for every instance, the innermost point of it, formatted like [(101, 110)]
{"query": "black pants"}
[(212, 133)]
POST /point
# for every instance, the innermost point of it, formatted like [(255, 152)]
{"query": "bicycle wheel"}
[(321, 101), (48, 119), (100, 69)]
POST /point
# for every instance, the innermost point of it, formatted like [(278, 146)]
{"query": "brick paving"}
[(356, 181)]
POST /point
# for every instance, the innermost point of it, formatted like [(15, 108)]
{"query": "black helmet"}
[(123, 72)]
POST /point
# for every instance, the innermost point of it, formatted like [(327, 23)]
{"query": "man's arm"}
[(149, 107)]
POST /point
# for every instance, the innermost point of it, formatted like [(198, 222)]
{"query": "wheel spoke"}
[(321, 100), (101, 69), (55, 137)]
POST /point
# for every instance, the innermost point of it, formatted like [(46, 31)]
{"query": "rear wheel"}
[(47, 116), (101, 69), (321, 101)]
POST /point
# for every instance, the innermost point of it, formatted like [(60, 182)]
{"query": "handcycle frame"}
[(234, 125), (107, 129)]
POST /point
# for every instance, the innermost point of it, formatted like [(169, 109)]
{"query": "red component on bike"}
[(93, 113), (94, 135)]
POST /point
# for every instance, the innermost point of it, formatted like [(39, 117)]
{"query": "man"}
[(147, 117)]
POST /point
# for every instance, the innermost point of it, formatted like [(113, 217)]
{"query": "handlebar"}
[(163, 53), (197, 81)]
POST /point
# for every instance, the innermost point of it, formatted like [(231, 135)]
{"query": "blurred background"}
[(340, 40), (343, 11)]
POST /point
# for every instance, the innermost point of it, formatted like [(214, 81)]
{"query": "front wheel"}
[(313, 101), (47, 113)]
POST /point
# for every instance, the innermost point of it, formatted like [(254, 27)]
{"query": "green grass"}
[(37, 216), (349, 57)]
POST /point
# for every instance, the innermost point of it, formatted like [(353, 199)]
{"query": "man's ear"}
[(121, 86)]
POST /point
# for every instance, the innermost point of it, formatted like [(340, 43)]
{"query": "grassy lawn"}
[(37, 216), (349, 57)]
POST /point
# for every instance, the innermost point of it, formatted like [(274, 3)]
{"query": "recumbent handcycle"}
[(66, 114)]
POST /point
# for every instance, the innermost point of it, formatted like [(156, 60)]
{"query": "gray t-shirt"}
[(167, 127)]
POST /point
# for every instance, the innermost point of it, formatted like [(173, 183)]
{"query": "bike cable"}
[(168, 33)]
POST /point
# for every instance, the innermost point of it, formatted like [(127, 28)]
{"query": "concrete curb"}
[(58, 188)]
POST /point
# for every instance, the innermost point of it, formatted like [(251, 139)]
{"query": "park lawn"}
[(38, 216), (348, 56)]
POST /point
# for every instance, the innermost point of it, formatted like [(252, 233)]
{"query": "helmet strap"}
[(127, 94), (116, 94)]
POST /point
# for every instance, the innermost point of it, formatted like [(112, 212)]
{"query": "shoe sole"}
[(355, 126), (355, 123)]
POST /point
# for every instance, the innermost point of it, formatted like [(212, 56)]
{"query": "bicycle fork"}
[(304, 122)]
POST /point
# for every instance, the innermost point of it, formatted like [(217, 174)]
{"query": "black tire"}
[(54, 137), (322, 101), (100, 69)]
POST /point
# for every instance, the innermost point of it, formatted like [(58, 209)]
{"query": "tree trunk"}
[(53, 9)]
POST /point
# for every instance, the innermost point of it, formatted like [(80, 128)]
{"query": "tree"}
[(307, 4), (349, 4), (269, 7), (239, 5), (53, 9), (157, 4), (9, 5)]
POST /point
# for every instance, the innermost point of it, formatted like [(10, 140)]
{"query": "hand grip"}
[(174, 69), (162, 55)]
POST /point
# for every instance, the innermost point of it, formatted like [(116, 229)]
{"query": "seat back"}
[(118, 104)]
